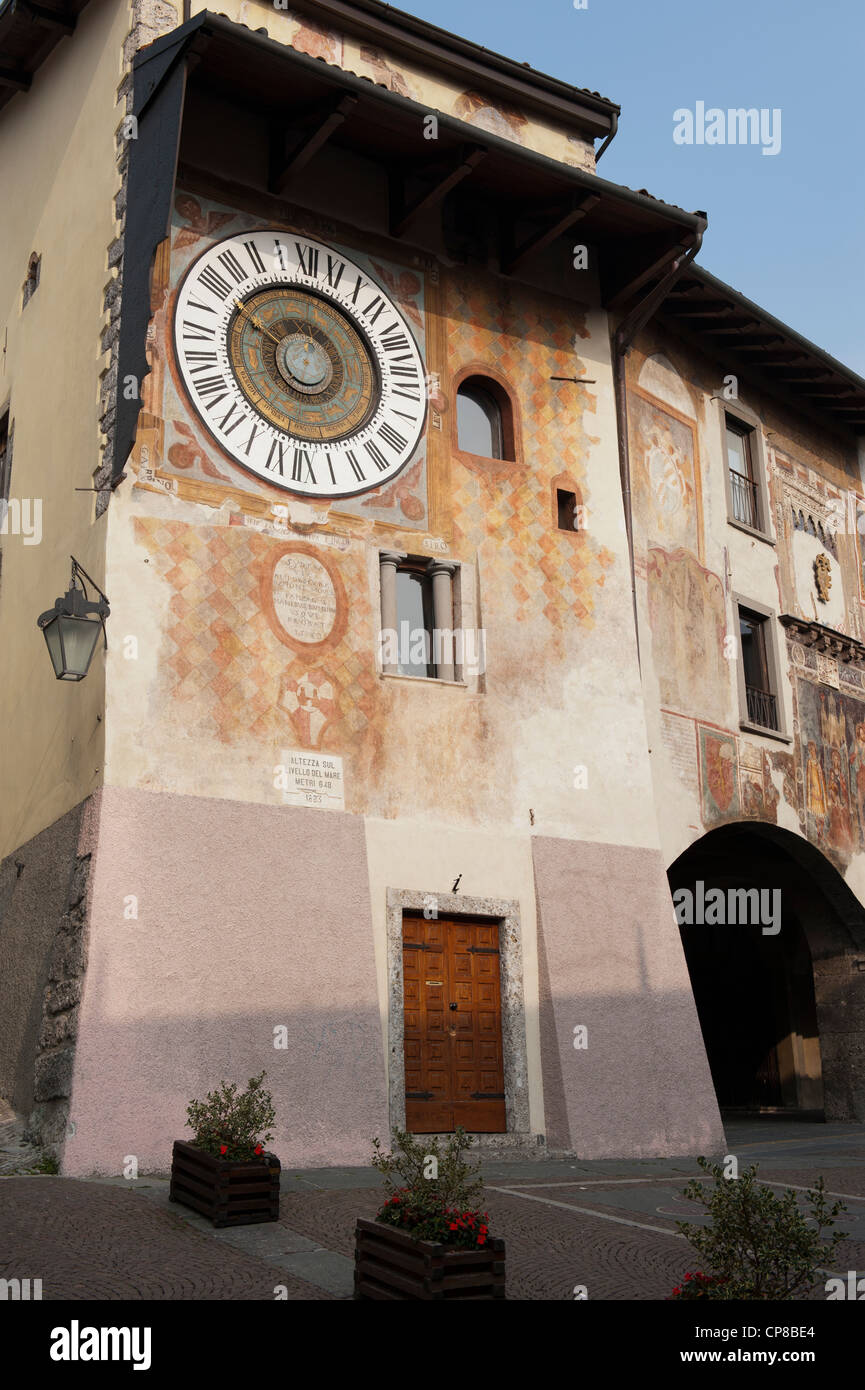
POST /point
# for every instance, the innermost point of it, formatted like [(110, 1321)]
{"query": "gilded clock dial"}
[(300, 364)]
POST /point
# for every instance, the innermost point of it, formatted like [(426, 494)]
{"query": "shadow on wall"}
[(42, 887), (611, 963), (132, 1085)]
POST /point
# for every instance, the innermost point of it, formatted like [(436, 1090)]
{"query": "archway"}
[(775, 946)]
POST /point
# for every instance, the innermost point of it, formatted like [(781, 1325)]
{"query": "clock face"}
[(299, 364)]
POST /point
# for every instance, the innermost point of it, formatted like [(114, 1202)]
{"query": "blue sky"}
[(787, 230)]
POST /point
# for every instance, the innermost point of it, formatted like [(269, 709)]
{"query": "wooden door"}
[(453, 1027)]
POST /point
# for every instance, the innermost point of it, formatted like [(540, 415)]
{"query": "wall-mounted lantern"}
[(73, 625)]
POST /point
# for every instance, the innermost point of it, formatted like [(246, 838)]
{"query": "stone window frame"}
[(505, 912), (445, 575), (774, 666), (751, 422)]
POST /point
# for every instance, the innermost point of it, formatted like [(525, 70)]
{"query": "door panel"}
[(453, 1037)]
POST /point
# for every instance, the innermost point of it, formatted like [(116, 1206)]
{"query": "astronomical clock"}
[(299, 364)]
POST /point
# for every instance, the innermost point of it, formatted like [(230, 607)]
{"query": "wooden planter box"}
[(390, 1264), (228, 1192)]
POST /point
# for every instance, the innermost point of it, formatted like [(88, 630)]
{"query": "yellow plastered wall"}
[(59, 173)]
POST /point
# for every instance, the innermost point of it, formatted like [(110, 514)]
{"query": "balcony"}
[(762, 707), (744, 496)]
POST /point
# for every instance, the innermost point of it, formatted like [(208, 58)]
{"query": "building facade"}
[(468, 593)]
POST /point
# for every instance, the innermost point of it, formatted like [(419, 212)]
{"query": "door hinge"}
[(419, 1095), (483, 950), (487, 1095)]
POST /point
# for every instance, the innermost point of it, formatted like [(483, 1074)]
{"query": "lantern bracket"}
[(76, 603)]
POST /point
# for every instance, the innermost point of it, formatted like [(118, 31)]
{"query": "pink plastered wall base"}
[(250, 919), (613, 964)]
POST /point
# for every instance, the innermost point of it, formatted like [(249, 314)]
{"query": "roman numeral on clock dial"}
[(302, 368)]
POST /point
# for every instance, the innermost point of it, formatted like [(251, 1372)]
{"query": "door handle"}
[(452, 1006)]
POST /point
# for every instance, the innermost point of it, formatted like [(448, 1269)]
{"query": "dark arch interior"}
[(764, 999)]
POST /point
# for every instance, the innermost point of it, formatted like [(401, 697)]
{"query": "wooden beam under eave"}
[(543, 238), (798, 364), (754, 347), (18, 81), (49, 19), (461, 170), (701, 313), (630, 289), (809, 380), (823, 393), (309, 146)]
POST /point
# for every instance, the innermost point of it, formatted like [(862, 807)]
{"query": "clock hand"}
[(255, 323)]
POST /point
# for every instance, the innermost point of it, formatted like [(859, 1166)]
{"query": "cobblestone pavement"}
[(17, 1154), (91, 1240), (609, 1226)]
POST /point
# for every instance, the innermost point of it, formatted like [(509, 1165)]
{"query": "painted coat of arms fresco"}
[(310, 703), (719, 775), (664, 474), (832, 734)]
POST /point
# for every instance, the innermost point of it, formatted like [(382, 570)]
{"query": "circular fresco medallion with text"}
[(304, 598)]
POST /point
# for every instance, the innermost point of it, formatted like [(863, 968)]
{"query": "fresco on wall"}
[(261, 652), (197, 222), (688, 621), (191, 451), (298, 30), (663, 474), (478, 110), (832, 751), (860, 544), (385, 74), (757, 793), (547, 580), (719, 775)]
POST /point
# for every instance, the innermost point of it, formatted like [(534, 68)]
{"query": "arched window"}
[(481, 428)]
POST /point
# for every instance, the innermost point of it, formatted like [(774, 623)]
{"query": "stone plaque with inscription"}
[(304, 598), (312, 779)]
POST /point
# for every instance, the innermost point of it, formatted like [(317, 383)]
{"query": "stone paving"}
[(17, 1154), (607, 1225), (95, 1241)]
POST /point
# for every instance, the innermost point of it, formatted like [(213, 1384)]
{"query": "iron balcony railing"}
[(762, 707), (744, 493)]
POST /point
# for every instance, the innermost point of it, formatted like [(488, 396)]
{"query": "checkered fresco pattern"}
[(537, 573), (230, 669), (226, 662)]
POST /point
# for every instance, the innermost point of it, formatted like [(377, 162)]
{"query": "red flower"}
[(258, 1148), (481, 1240), (699, 1276), (223, 1149), (453, 1225)]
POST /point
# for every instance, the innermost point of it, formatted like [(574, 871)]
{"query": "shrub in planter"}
[(758, 1245), (697, 1285), (430, 1238), (225, 1172)]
